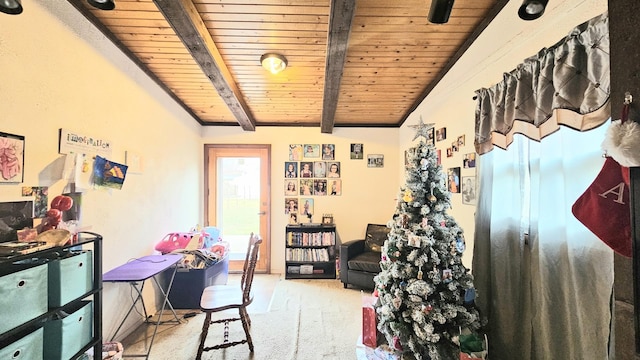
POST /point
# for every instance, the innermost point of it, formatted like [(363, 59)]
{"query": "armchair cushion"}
[(368, 261), (375, 237)]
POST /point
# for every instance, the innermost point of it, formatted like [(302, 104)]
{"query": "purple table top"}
[(142, 268)]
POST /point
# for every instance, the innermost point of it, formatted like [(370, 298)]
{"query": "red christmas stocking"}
[(604, 207)]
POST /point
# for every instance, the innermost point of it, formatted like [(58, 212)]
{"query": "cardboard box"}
[(188, 284)]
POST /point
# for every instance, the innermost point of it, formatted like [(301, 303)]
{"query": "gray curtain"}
[(544, 281), (565, 84)]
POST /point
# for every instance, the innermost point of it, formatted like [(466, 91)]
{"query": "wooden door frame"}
[(265, 248)]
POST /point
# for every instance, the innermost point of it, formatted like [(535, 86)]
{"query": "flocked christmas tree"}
[(425, 292)]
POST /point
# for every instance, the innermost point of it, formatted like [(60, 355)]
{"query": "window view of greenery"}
[(240, 202)]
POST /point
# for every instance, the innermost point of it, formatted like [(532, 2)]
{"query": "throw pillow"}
[(375, 237)]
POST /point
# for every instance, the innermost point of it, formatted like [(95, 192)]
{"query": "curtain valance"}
[(565, 84)]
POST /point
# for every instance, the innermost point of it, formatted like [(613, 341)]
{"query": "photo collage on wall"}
[(311, 171), (465, 185)]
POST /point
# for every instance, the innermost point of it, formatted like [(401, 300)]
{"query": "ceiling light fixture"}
[(102, 4), (273, 62), (440, 11), (12, 7), (532, 9)]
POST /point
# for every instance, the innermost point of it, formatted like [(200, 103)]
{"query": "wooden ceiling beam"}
[(190, 28), (340, 20)]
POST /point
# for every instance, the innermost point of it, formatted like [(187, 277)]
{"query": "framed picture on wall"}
[(469, 160), (328, 151), (333, 169), (453, 179), (357, 151), (375, 160), (295, 152), (12, 160), (291, 169), (469, 190), (441, 134), (311, 150), (335, 187), (432, 137)]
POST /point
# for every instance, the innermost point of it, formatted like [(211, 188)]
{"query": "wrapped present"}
[(369, 321)]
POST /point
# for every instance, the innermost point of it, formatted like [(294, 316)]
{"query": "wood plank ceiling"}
[(350, 63)]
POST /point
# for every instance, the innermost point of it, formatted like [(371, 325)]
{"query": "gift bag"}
[(604, 207), (369, 321), (473, 346)]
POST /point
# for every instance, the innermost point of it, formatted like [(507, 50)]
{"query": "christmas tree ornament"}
[(397, 302), (424, 164), (460, 244), (407, 197), (420, 274)]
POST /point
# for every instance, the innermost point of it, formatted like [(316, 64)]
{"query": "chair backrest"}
[(250, 267)]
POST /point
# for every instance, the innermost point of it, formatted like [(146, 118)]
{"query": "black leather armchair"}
[(360, 259)]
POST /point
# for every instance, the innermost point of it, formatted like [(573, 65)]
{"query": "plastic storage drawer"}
[(70, 278), (63, 338), (28, 347), (25, 287)]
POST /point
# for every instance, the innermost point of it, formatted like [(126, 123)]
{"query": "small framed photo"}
[(319, 169), (447, 276), (311, 150), (293, 218), (453, 175), (441, 134), (454, 146), (432, 137), (357, 151), (306, 186), (469, 190), (327, 219), (306, 207), (328, 151), (469, 160), (333, 169), (306, 169), (295, 152), (375, 160), (290, 169), (460, 141), (449, 152), (335, 187)]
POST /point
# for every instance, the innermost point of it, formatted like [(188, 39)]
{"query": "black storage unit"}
[(30, 332), (310, 251)]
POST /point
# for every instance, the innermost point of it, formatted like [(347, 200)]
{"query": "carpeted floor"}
[(305, 319)]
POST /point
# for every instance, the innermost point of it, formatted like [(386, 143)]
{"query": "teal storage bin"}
[(64, 337), (70, 278), (24, 296), (28, 347)]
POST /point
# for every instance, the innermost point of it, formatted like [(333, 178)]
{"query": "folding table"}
[(136, 272)]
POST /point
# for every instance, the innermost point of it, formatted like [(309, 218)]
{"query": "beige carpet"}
[(306, 319)]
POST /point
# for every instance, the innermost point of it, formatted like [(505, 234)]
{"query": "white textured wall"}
[(505, 43), (58, 71)]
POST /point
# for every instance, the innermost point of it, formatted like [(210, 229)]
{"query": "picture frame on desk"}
[(327, 219)]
